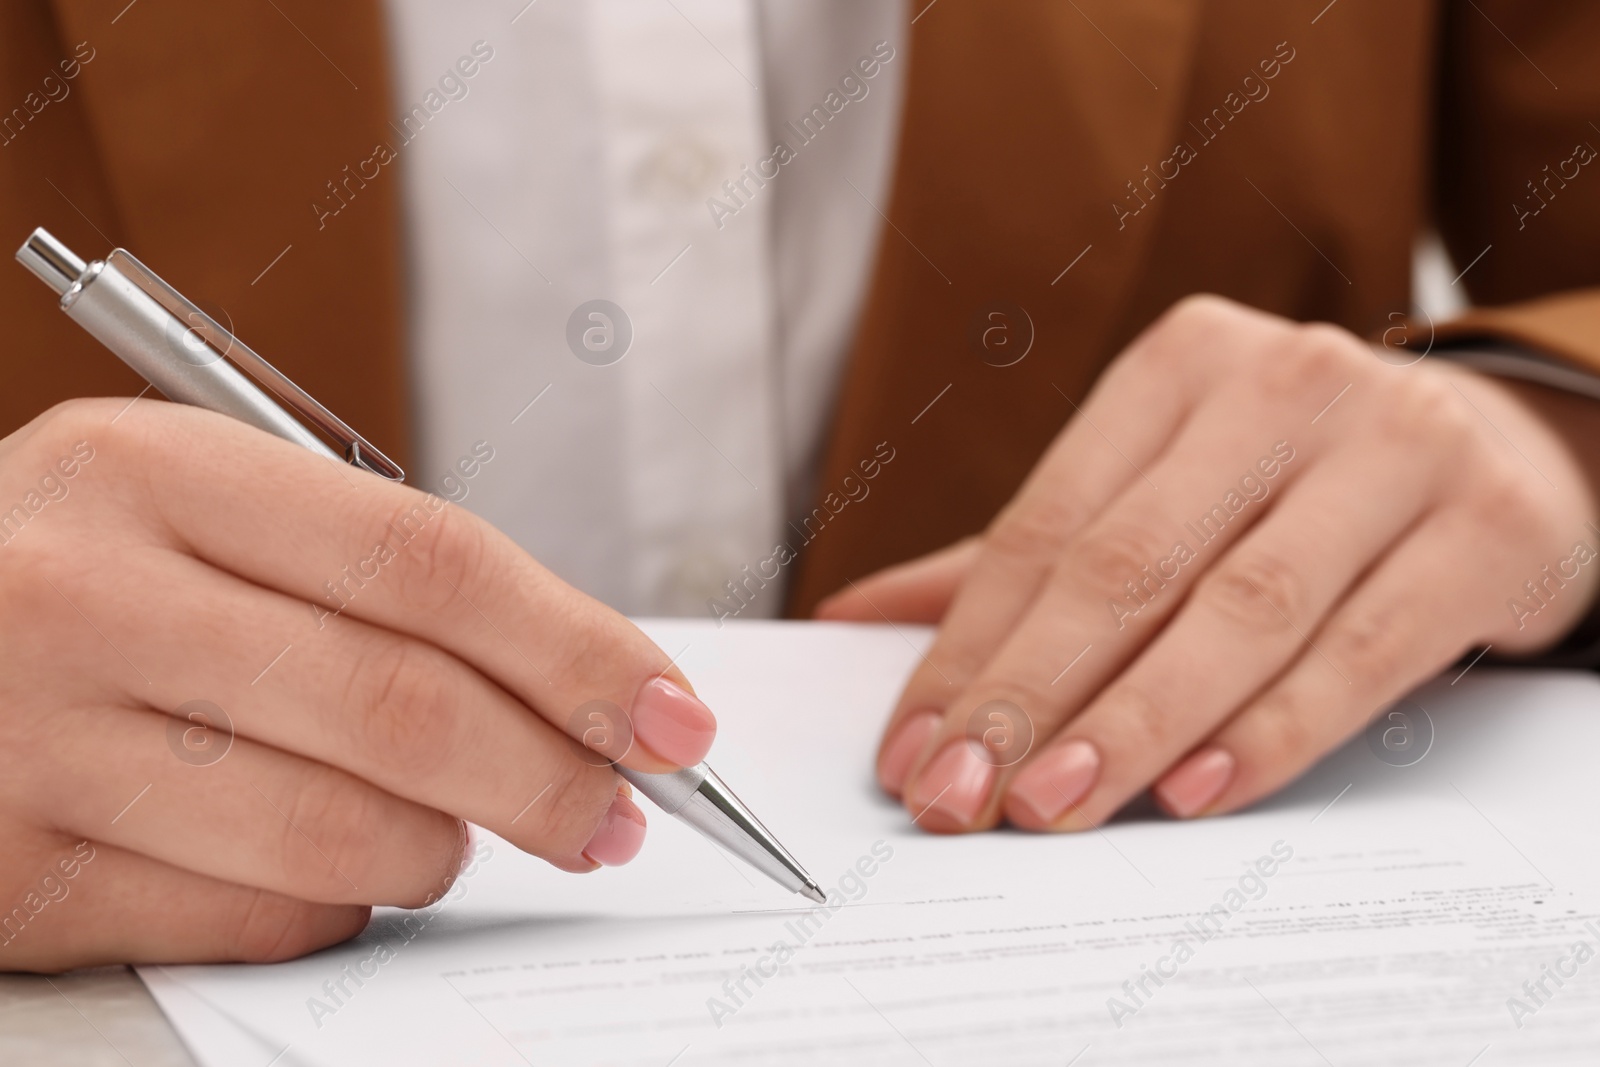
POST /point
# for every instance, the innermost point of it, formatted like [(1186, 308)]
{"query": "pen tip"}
[(814, 892)]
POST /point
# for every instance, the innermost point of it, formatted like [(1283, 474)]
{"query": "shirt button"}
[(680, 168)]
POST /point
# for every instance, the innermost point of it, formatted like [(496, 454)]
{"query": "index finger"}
[(350, 543), (1129, 420)]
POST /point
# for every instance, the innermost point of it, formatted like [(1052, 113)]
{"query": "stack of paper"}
[(1442, 911)]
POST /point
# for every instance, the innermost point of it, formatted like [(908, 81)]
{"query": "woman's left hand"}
[(1254, 536)]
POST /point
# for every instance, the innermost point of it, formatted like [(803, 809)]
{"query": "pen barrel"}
[(669, 792), (697, 796), (173, 357)]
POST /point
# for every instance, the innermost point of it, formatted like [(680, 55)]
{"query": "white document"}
[(1446, 911)]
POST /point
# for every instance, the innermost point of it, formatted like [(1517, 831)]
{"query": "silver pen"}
[(192, 359)]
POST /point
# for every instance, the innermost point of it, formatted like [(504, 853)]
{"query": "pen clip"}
[(357, 449)]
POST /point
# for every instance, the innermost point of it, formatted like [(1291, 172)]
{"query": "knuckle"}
[(1140, 723), (325, 842), (405, 707), (443, 555), (1028, 535), (952, 659), (1202, 311), (1319, 358), (579, 795), (1330, 345), (1282, 731), (1105, 560), (41, 464), (1366, 643), (28, 604), (1030, 700), (444, 847), (961, 647), (70, 420), (1261, 593), (267, 927), (53, 437), (1421, 411), (1504, 501), (1187, 327)]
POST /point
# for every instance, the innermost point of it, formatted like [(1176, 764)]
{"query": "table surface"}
[(91, 1018)]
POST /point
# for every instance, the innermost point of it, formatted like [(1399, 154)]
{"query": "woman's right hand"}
[(390, 666)]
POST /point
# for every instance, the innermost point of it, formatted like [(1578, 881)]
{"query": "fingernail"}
[(466, 846), (673, 724), (1057, 779), (956, 784), (904, 747), (620, 836), (1196, 782)]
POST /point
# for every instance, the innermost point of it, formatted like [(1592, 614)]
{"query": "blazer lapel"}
[(1025, 124)]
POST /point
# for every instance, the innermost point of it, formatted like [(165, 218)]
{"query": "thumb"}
[(917, 591)]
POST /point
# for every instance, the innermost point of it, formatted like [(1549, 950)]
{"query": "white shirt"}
[(585, 157)]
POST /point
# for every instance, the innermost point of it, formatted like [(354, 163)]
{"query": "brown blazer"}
[(1075, 166)]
